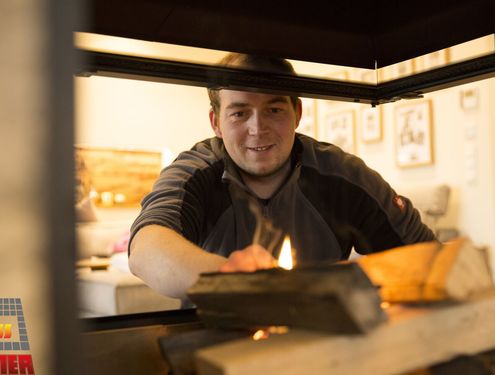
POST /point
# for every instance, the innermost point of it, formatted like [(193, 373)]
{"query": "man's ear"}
[(214, 123), (298, 111)]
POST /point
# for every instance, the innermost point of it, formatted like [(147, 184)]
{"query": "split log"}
[(178, 349), (479, 364), (338, 298), (413, 338), (429, 271)]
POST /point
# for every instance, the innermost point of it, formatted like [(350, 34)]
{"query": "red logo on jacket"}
[(400, 203)]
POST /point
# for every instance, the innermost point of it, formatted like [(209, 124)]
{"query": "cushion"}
[(99, 238), (112, 292), (86, 211), (431, 200)]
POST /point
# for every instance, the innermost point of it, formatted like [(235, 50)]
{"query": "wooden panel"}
[(119, 177)]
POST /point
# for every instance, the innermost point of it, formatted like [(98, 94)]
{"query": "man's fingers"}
[(250, 259), (262, 257), (239, 260)]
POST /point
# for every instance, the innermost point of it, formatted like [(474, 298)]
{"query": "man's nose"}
[(257, 125)]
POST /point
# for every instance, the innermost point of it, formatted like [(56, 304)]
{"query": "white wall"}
[(124, 113)]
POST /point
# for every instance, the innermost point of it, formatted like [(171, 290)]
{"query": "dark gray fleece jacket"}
[(330, 203)]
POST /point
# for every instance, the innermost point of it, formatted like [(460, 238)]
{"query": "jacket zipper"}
[(265, 210)]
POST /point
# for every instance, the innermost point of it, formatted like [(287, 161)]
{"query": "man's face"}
[(257, 130)]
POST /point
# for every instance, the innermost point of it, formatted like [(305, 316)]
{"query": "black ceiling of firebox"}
[(351, 33)]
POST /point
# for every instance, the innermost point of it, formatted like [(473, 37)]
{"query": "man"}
[(197, 218)]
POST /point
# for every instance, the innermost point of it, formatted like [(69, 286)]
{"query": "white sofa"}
[(112, 290)]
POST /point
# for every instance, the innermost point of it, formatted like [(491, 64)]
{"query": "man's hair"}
[(252, 62)]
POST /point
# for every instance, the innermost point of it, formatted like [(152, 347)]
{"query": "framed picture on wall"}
[(116, 177), (371, 124), (469, 98), (362, 75), (432, 60), (402, 69), (413, 134), (307, 125), (338, 129), (341, 75), (396, 71), (368, 76)]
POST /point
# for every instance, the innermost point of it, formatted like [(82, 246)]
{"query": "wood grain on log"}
[(337, 298), (414, 337)]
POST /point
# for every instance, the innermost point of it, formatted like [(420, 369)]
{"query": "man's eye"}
[(275, 110), (237, 114)]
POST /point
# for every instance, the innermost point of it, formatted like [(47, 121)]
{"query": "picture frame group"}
[(412, 128)]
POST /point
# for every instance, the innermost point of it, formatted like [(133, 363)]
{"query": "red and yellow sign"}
[(15, 357)]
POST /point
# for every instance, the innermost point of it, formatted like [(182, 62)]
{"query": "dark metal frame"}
[(171, 317), (61, 17), (414, 86)]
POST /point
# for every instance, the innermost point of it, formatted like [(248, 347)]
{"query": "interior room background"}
[(142, 115)]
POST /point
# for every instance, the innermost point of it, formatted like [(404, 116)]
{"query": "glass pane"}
[(472, 49), (458, 53), (147, 124)]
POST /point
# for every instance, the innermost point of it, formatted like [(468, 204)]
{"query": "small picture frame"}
[(413, 134), (368, 76), (402, 69), (307, 124), (432, 60), (361, 75), (371, 124), (396, 71), (469, 98), (338, 129), (341, 75)]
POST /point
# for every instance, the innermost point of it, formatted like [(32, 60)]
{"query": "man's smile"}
[(259, 148)]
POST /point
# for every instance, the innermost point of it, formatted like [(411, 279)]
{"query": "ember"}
[(262, 334)]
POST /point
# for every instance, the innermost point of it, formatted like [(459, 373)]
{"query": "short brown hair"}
[(255, 62)]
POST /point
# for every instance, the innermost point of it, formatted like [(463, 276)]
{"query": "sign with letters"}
[(15, 356)]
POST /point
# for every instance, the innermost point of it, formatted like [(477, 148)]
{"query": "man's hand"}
[(249, 259)]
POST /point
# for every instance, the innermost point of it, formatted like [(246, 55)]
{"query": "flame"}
[(285, 257), (260, 334), (279, 330)]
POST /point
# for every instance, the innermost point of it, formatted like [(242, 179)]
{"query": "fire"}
[(285, 260), (262, 334)]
